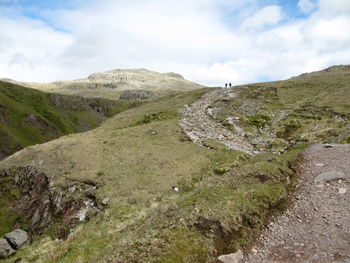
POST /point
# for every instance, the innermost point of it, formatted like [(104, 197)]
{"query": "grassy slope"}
[(225, 197), (313, 107), (55, 115), (215, 212)]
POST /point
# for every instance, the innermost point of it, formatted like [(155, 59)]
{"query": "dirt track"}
[(316, 228)]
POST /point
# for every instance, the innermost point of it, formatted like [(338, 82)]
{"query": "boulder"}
[(18, 239), (5, 249), (232, 258), (329, 176), (136, 94)]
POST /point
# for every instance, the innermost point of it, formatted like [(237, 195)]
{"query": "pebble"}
[(319, 164), (342, 191)]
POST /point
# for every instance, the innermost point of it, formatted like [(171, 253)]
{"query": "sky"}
[(208, 41)]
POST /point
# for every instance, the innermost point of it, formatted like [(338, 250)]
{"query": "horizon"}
[(208, 42)]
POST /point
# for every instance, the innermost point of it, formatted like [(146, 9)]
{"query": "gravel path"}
[(316, 228), (199, 125)]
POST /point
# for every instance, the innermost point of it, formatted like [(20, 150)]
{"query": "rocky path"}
[(198, 124), (316, 228)]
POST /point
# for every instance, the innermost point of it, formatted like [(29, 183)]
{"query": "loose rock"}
[(342, 191), (18, 239), (105, 201), (319, 164), (329, 176), (232, 258)]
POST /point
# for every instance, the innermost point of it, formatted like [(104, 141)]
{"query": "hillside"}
[(29, 116), (313, 107), (123, 173), (110, 84)]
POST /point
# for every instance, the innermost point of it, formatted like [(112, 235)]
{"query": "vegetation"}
[(275, 115), (225, 196), (8, 217), (29, 116)]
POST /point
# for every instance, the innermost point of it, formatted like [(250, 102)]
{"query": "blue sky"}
[(208, 41), (35, 8)]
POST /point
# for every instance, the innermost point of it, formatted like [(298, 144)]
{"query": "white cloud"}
[(192, 37), (267, 16), (306, 5), (334, 7)]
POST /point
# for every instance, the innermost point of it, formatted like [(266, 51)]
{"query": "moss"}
[(186, 246), (346, 140), (9, 218), (258, 120)]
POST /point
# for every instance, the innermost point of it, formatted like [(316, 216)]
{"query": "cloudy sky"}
[(208, 41)]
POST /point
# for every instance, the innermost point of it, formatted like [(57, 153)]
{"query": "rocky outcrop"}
[(37, 121), (40, 202), (136, 94)]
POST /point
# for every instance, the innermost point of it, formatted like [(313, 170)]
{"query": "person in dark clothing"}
[(226, 85), (230, 85)]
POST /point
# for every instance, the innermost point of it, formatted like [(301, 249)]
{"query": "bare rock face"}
[(40, 202), (5, 249), (18, 239), (136, 94)]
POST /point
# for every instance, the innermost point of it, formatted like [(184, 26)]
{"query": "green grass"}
[(8, 216), (225, 197), (136, 157), (55, 115), (313, 108)]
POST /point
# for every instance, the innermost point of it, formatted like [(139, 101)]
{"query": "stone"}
[(5, 249), (221, 137), (18, 239), (210, 112), (329, 176), (136, 94), (232, 258), (105, 201), (319, 164), (342, 191), (327, 145)]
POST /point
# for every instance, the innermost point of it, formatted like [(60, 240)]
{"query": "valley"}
[(235, 156)]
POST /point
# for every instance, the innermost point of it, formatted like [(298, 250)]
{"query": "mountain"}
[(29, 116), (111, 83), (137, 189)]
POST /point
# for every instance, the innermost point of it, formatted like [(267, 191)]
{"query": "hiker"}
[(226, 85), (230, 85)]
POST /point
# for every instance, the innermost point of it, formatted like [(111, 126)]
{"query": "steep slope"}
[(111, 83), (225, 197), (28, 116)]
